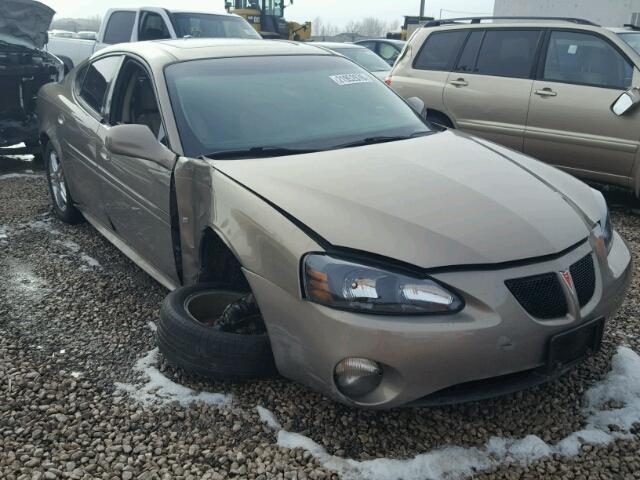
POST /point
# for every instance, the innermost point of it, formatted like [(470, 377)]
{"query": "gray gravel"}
[(70, 329)]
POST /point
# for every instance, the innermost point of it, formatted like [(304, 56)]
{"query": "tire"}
[(201, 350), (63, 207)]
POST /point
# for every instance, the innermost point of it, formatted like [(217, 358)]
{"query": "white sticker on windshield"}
[(351, 78), (573, 49)]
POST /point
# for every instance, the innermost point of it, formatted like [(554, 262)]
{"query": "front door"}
[(488, 92), (136, 193), (570, 123)]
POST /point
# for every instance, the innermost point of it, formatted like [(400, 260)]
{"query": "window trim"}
[(457, 56), (99, 116), (545, 50), (113, 14)]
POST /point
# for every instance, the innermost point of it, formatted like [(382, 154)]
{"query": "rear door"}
[(488, 93), (79, 126), (136, 193), (431, 67), (570, 119)]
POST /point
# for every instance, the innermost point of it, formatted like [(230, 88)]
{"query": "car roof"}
[(161, 52), (332, 45), (382, 40)]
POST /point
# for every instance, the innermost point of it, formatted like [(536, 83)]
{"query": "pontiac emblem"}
[(568, 279)]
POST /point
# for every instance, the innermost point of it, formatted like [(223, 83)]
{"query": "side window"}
[(153, 27), (134, 100), (119, 28), (583, 58), (508, 53), (388, 52), (97, 79), (440, 51), (369, 45), (467, 62)]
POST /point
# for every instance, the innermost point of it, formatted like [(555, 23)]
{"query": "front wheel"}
[(63, 207)]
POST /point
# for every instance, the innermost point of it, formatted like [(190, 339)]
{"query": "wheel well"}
[(440, 118), (218, 263)]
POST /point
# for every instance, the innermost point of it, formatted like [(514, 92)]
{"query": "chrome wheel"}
[(56, 177)]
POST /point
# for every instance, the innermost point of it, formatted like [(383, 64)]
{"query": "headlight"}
[(605, 220), (352, 286)]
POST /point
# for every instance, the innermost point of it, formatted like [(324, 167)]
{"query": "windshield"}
[(633, 39), (294, 102), (202, 25), (364, 57)]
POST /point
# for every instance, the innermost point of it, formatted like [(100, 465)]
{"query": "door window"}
[(440, 51), (134, 100), (97, 79), (388, 52), (467, 61), (586, 59), (119, 28), (153, 27), (508, 53)]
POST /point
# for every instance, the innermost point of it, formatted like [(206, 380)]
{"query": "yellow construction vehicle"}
[(267, 17)]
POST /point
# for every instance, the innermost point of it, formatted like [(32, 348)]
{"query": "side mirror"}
[(626, 102), (418, 105), (138, 141)]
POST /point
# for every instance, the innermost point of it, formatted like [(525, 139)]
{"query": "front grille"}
[(541, 295), (584, 279)]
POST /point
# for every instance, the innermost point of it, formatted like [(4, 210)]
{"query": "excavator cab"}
[(267, 17)]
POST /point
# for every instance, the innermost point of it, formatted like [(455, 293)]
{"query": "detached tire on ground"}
[(186, 340)]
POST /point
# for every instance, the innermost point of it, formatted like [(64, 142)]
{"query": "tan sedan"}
[(392, 264)]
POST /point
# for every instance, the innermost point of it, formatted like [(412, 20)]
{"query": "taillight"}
[(388, 80)]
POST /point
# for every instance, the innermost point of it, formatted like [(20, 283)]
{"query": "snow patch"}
[(159, 389), (44, 225), (90, 261), (268, 418), (11, 176), (152, 326), (76, 375), (622, 386), (4, 232)]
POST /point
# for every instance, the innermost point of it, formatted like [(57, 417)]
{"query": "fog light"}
[(356, 377)]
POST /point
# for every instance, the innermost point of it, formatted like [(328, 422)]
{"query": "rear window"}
[(364, 57), (440, 51), (508, 53), (202, 25), (119, 28)]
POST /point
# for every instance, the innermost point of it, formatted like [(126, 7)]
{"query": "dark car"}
[(387, 49), (24, 68)]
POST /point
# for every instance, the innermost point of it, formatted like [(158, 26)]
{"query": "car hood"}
[(25, 22), (435, 201)]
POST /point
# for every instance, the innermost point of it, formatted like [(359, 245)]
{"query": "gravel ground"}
[(75, 317)]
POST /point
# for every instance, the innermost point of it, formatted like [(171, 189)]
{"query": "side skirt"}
[(130, 253)]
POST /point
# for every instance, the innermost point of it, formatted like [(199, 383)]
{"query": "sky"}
[(338, 12)]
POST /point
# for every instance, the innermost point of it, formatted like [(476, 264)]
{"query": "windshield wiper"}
[(258, 152), (380, 139)]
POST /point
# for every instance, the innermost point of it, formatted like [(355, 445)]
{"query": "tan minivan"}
[(546, 87)]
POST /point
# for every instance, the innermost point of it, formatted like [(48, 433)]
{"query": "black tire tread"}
[(206, 352)]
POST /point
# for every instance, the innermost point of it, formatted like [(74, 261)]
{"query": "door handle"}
[(546, 92), (461, 82)]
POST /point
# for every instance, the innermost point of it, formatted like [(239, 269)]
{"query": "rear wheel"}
[(63, 207)]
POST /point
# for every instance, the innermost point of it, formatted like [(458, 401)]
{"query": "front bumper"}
[(492, 337)]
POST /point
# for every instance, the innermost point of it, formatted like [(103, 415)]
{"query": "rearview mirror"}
[(138, 141), (418, 105), (626, 102)]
